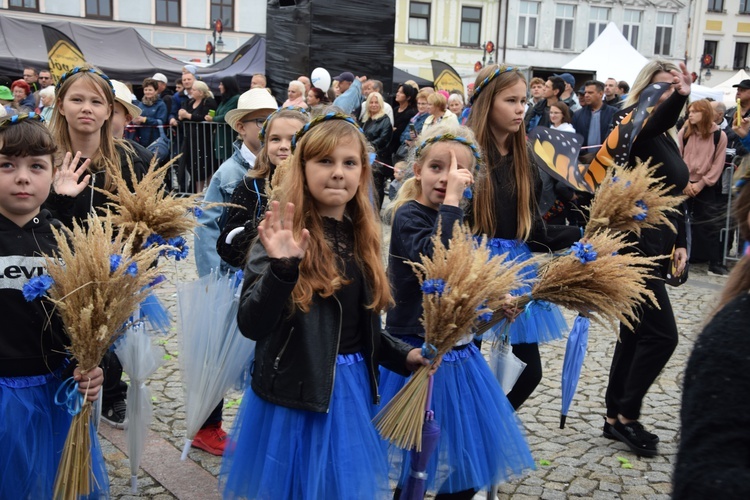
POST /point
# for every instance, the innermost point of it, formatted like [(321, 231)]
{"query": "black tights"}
[(530, 376), (459, 495)]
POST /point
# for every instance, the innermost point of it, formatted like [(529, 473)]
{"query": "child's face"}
[(25, 183), (398, 173), (432, 171), (85, 108), (333, 180), (120, 118), (508, 108), (279, 138), (248, 128)]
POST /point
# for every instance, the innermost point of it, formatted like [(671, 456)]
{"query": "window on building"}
[(599, 17), (565, 15), (224, 10), (99, 8), (31, 5), (716, 5), (740, 55), (471, 22), (528, 14), (744, 6), (168, 12), (419, 22), (711, 47), (664, 28), (631, 26)]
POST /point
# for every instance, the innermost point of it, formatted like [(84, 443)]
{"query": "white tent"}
[(698, 92), (611, 56), (729, 91)]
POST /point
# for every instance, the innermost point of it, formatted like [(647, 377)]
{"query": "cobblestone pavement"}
[(573, 462)]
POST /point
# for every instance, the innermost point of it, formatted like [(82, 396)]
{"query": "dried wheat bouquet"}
[(596, 279), (459, 284), (95, 287), (146, 208), (631, 198)]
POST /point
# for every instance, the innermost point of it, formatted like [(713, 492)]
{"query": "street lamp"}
[(706, 62), (487, 48), (218, 28)]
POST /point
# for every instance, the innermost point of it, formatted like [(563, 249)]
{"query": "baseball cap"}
[(744, 84), (159, 77), (344, 77)]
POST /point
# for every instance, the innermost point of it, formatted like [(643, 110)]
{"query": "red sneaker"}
[(211, 439)]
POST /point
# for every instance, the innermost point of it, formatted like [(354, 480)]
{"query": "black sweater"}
[(543, 238), (713, 460), (29, 343), (414, 225)]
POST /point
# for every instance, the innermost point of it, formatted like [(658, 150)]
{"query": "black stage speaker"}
[(338, 35)]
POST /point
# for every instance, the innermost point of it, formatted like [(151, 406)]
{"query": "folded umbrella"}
[(575, 352)]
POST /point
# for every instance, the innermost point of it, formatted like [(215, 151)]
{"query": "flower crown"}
[(450, 137), (478, 88), (81, 69), (264, 128), (320, 119), (12, 120)]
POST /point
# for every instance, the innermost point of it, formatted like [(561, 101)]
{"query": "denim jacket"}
[(351, 99), (212, 220)]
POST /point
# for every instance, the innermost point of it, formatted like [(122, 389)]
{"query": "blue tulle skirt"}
[(277, 452), (481, 440), (32, 432), (541, 321)]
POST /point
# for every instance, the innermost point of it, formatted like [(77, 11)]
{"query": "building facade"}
[(720, 29), (542, 33), (180, 28)]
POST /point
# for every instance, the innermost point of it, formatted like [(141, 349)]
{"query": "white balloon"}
[(321, 78)]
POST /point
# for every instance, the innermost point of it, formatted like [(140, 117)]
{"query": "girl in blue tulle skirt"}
[(481, 442), (33, 363), (314, 287), (505, 209)]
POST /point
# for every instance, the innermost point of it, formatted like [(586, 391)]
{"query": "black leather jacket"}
[(295, 352)]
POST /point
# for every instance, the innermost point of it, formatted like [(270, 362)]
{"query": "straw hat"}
[(124, 97), (252, 100)]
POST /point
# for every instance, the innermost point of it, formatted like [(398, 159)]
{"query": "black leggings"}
[(530, 376), (459, 495)]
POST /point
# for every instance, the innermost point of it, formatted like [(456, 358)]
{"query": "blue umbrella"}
[(575, 352), (416, 484)]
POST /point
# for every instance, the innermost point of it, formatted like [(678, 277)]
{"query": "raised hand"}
[(66, 178), (458, 180), (682, 80), (277, 237)]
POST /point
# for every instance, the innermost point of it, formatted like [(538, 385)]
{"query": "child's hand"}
[(66, 178), (510, 311), (415, 360), (90, 383), (458, 180), (276, 234)]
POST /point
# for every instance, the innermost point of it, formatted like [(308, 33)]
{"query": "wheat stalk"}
[(473, 284)]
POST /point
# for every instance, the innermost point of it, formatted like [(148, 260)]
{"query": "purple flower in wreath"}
[(37, 287), (433, 287), (584, 252), (180, 250)]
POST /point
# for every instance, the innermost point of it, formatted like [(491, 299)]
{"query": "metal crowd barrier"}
[(204, 147), (730, 234)]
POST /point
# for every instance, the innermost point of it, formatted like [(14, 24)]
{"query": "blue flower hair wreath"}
[(450, 137), (483, 84), (320, 119), (264, 128), (12, 120), (79, 69)]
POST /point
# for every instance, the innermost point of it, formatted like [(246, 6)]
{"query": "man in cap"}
[(568, 96), (350, 89), (743, 94), (164, 92)]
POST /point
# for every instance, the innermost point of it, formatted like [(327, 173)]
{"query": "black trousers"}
[(706, 226), (641, 355), (113, 388)]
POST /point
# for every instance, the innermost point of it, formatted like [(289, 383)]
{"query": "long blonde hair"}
[(319, 273), (106, 157), (643, 80), (524, 174), (381, 113)]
